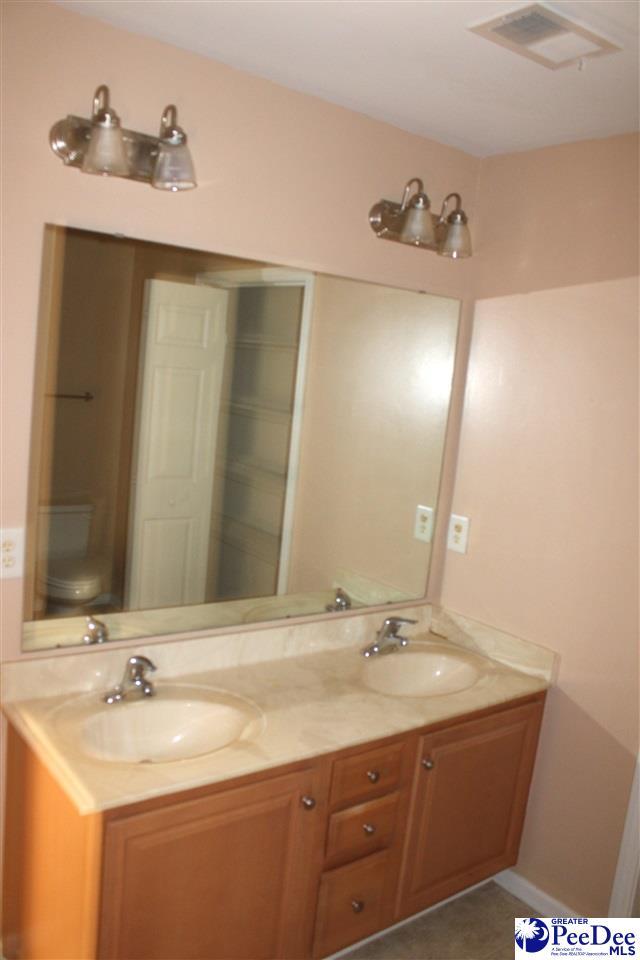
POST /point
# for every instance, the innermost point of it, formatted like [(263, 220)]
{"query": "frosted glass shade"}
[(457, 241), (418, 226), (174, 168), (106, 153)]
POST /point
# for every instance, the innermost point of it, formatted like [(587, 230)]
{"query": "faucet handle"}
[(96, 631), (392, 625)]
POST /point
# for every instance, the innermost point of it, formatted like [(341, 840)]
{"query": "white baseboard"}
[(543, 904), (628, 870)]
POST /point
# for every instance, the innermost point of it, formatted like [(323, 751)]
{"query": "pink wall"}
[(548, 473), (558, 216), (547, 460)]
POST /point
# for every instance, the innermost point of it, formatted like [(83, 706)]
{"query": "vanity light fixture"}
[(100, 145), (412, 222), (174, 167)]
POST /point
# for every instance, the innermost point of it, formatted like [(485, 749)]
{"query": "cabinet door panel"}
[(469, 804), (224, 877)]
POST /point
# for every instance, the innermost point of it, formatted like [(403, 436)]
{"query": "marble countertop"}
[(313, 704)]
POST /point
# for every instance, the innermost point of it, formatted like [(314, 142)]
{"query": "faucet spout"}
[(134, 679), (341, 601), (388, 639)]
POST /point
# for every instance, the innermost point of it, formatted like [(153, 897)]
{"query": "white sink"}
[(180, 722), (278, 608), (422, 669)]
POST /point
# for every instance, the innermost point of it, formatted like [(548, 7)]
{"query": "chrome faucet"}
[(341, 601), (388, 640), (96, 631), (134, 678)]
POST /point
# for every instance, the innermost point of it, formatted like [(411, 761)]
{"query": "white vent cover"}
[(544, 36)]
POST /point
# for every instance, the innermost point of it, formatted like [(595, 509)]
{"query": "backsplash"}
[(50, 676)]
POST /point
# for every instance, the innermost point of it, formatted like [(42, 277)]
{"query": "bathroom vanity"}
[(348, 811)]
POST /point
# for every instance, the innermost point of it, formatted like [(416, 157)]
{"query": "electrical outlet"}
[(458, 536), (423, 528), (12, 552)]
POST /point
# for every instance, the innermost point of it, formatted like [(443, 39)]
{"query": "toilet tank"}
[(64, 530)]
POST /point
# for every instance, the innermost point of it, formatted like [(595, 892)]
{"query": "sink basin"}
[(180, 722), (422, 670), (278, 608)]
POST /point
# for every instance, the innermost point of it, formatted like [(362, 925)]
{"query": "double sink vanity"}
[(273, 794)]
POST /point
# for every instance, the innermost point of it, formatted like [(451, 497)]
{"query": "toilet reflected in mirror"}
[(70, 578)]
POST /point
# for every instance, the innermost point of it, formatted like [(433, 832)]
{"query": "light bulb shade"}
[(174, 168), (417, 226), (106, 153), (457, 240)]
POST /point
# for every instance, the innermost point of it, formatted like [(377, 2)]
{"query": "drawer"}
[(366, 775), (351, 904), (358, 831)]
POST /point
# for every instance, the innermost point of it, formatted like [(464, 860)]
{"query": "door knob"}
[(308, 802), (428, 764), (373, 775), (357, 906), (369, 829)]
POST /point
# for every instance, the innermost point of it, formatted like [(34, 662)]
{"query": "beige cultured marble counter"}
[(313, 704)]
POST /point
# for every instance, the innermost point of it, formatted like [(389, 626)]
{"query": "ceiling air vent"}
[(543, 35)]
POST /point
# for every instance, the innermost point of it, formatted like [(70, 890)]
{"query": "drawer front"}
[(366, 775), (358, 831), (351, 904)]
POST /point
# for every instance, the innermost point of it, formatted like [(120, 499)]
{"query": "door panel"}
[(180, 385), (469, 804), (226, 877)]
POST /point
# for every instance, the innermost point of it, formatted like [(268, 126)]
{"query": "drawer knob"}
[(357, 906), (308, 802), (428, 764), (373, 775), (369, 829)]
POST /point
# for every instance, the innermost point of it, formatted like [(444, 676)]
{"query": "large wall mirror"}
[(219, 441)]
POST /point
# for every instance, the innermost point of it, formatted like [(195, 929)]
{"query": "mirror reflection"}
[(219, 441)]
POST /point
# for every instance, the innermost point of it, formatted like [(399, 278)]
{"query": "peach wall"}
[(558, 216), (548, 473), (283, 177), (376, 405)]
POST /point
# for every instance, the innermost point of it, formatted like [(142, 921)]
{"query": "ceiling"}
[(411, 63)]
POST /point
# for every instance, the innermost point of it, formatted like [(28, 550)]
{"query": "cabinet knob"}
[(357, 906), (308, 802), (428, 764), (373, 775), (369, 829)]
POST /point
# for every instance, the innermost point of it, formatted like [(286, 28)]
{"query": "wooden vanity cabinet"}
[(229, 875), (282, 865), (470, 796)]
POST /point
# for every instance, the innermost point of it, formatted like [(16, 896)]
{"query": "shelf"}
[(255, 410), (260, 475), (257, 343), (252, 540)]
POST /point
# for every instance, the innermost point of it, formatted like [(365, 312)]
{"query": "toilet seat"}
[(73, 580)]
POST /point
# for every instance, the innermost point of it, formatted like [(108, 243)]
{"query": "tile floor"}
[(476, 926)]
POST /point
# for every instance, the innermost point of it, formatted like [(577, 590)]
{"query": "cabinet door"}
[(469, 802), (231, 875)]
